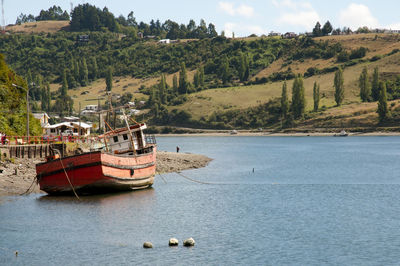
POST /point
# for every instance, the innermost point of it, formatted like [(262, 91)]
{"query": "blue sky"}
[(238, 16)]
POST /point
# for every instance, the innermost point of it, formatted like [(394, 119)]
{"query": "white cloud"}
[(242, 29), (245, 11), (394, 26), (227, 8), (242, 10), (297, 13), (357, 15)]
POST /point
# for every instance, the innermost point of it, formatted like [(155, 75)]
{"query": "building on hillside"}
[(90, 110), (70, 119), (273, 34), (68, 128), (44, 120), (164, 41), (289, 35)]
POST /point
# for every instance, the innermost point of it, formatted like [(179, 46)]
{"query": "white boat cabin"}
[(119, 141)]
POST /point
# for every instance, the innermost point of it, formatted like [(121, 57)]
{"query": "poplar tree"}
[(284, 101), (94, 69), (76, 71), (365, 88), (84, 73), (201, 77), (339, 87), (375, 84), (162, 90), (244, 68), (316, 96), (196, 79), (109, 79), (183, 80), (64, 85), (298, 98), (224, 70), (175, 84), (382, 111)]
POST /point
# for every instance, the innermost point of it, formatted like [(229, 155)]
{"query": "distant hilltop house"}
[(164, 41), (90, 109), (289, 35), (68, 128), (44, 120), (82, 38), (273, 34)]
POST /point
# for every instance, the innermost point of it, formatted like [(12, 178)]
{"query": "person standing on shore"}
[(177, 149)]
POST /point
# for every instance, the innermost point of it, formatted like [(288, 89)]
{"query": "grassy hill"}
[(352, 114), (381, 52), (39, 27)]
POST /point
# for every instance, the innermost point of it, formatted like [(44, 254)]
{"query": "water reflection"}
[(144, 196)]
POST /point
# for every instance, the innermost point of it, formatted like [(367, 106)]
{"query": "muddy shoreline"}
[(17, 177)]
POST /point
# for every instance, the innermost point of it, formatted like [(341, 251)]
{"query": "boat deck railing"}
[(150, 139)]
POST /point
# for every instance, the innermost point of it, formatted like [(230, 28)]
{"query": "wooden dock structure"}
[(30, 151)]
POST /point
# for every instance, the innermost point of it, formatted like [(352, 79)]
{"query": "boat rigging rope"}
[(196, 181), (28, 190), (165, 181), (69, 181)]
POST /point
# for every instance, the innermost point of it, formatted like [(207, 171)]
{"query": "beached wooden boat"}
[(127, 161)]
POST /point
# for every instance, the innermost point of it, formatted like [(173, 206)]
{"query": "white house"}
[(90, 110), (44, 120), (165, 41), (62, 128)]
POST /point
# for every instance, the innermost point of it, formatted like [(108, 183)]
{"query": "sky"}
[(241, 17)]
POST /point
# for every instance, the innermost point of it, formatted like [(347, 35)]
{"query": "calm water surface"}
[(310, 201)]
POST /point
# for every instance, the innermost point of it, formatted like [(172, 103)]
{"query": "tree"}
[(64, 85), (327, 28), (339, 87), (109, 79), (84, 73), (365, 87), (162, 87), (317, 30), (298, 97), (284, 101), (201, 77), (316, 96), (76, 71), (382, 111), (224, 72), (244, 68), (175, 84), (183, 80), (375, 84), (196, 79)]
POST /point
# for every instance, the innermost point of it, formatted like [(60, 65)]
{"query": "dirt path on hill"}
[(17, 177)]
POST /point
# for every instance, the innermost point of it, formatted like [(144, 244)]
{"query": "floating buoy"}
[(147, 245), (173, 242), (189, 242)]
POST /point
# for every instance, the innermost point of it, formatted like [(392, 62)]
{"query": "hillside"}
[(39, 27), (138, 64)]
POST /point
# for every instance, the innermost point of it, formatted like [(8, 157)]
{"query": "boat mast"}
[(130, 133)]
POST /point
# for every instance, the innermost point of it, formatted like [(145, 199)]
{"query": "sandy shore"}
[(17, 177), (269, 134)]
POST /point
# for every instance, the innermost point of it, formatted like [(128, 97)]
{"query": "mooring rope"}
[(165, 181), (196, 181), (69, 181), (28, 190)]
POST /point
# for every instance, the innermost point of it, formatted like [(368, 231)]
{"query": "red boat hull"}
[(97, 172)]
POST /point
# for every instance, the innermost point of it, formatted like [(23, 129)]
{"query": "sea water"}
[(271, 201)]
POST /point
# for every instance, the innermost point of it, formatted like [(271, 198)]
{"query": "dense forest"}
[(13, 103)]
